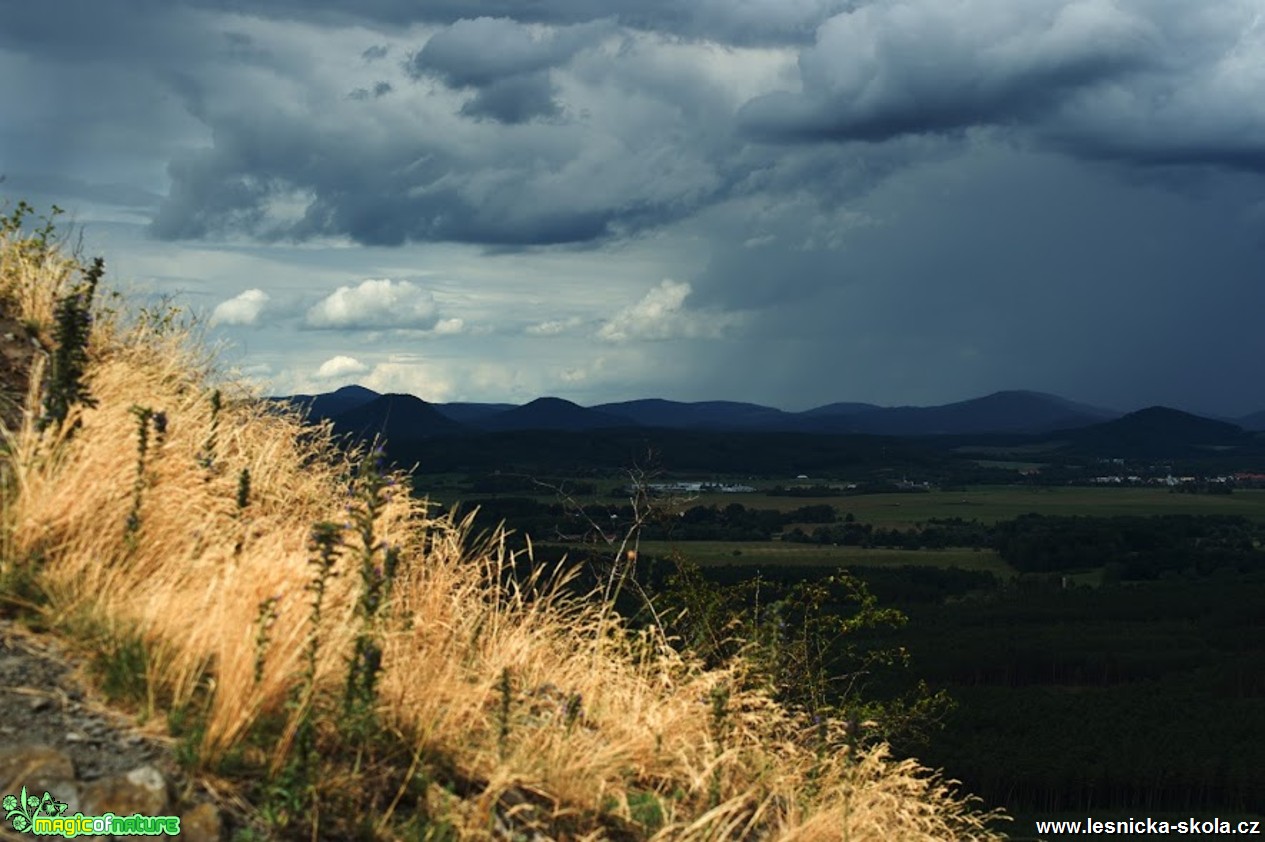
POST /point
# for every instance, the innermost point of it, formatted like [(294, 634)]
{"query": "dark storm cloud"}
[(508, 66), (906, 201), (84, 29), (1147, 83), (386, 193), (479, 52), (514, 100), (291, 162), (926, 66), (380, 89), (372, 202), (1008, 269), (1126, 81), (751, 22)]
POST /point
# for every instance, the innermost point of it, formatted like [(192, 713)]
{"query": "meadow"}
[(990, 504), (771, 554), (986, 503)]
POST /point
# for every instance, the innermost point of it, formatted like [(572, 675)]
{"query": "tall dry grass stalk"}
[(519, 687)]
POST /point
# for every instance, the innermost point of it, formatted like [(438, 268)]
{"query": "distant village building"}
[(699, 488)]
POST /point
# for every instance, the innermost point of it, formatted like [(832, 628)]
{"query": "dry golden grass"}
[(191, 579)]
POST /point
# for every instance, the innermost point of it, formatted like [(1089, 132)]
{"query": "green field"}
[(993, 503), (985, 503), (773, 553)]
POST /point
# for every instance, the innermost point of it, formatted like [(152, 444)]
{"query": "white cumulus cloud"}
[(661, 314), (375, 304), (243, 309), (340, 366), (450, 327), (553, 327), (429, 381)]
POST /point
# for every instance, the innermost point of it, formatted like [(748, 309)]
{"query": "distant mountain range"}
[(356, 409)]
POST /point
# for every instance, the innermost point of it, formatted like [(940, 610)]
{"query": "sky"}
[(790, 202)]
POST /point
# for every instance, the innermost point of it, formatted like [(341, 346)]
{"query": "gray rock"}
[(54, 738), (40, 769), (142, 790)]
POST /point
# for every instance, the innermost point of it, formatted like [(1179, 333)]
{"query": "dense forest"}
[(1143, 692), (1131, 696)]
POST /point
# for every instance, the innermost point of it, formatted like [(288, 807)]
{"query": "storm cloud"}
[(889, 69), (902, 202), (1148, 83)]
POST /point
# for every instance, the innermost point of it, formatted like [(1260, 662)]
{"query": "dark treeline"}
[(1132, 547), (551, 452), (1127, 547), (937, 533), (942, 460), (732, 522), (1145, 697)]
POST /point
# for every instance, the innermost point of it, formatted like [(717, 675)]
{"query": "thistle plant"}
[(325, 545), (72, 326), (263, 633), (379, 563), (574, 710), (242, 500), (206, 459), (144, 416), (159, 420), (243, 490)]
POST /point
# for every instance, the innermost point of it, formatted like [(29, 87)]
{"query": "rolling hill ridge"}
[(1000, 422), (1000, 412)]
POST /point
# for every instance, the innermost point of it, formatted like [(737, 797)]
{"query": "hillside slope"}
[(321, 644), (396, 416), (551, 414), (1000, 412)]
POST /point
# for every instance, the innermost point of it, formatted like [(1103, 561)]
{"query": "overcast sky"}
[(790, 202)]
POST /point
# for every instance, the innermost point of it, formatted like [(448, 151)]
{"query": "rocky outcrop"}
[(54, 738)]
